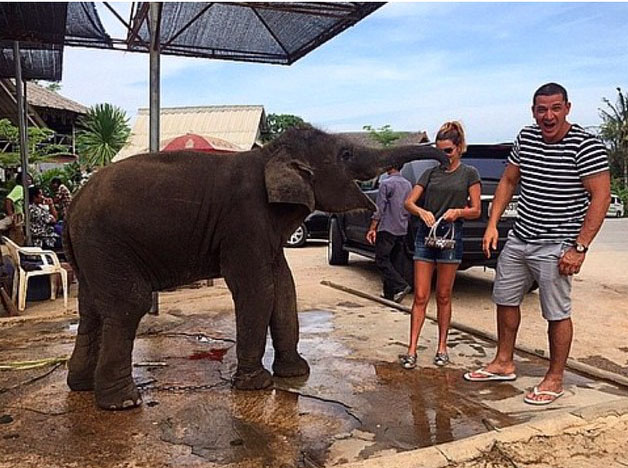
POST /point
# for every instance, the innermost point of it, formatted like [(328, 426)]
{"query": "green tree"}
[(279, 123), (104, 131), (383, 135), (40, 145), (614, 132)]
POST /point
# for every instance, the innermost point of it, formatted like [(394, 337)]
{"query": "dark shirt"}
[(445, 190), (391, 215)]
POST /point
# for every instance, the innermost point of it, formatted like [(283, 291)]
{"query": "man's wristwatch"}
[(580, 248)]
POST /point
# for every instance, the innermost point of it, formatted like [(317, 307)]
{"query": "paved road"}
[(613, 235)]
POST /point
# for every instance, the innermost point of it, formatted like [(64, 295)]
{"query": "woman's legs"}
[(445, 276), (422, 286)]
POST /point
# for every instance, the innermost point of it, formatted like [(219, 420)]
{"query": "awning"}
[(42, 30), (280, 32)]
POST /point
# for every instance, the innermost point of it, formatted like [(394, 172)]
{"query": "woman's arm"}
[(412, 207)]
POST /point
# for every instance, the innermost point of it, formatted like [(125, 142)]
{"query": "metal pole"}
[(23, 136), (154, 105)]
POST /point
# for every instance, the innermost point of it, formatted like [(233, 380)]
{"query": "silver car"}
[(616, 209)]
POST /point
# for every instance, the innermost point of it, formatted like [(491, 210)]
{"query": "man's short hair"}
[(397, 167), (550, 89)]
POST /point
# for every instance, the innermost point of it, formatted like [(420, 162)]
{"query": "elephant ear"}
[(289, 181)]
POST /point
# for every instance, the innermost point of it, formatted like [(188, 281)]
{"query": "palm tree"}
[(614, 130), (105, 130)]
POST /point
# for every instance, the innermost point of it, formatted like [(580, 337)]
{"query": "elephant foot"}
[(80, 383), (296, 366), (116, 398), (253, 380)]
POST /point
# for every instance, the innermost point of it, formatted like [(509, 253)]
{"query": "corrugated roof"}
[(240, 125), (365, 139)]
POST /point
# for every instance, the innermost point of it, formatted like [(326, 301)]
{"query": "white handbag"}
[(443, 242)]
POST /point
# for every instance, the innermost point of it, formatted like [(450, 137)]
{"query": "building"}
[(45, 109), (241, 126)]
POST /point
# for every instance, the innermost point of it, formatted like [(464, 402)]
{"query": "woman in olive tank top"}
[(452, 194)]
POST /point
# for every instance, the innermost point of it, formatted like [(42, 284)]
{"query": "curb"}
[(457, 452), (572, 364)]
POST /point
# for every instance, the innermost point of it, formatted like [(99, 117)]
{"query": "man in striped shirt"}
[(565, 193)]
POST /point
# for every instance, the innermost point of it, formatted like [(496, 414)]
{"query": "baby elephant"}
[(156, 221)]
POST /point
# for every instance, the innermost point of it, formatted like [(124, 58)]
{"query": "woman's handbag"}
[(443, 242)]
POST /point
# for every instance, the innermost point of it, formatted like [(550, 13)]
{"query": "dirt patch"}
[(600, 443)]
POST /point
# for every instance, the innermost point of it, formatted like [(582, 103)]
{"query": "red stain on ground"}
[(214, 354)]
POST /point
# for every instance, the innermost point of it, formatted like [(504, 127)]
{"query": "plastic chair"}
[(50, 265)]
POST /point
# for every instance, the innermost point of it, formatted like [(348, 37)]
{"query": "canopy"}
[(42, 30), (279, 32)]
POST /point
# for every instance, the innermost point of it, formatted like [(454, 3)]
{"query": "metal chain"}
[(181, 388)]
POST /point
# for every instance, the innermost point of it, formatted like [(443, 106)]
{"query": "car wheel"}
[(298, 237), (335, 254)]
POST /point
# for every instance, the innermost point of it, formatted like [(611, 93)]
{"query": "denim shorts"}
[(520, 264), (433, 255)]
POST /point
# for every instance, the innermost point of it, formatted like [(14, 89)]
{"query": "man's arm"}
[(8, 206), (503, 194), (599, 188), (382, 197)]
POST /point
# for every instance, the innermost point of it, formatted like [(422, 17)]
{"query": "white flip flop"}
[(537, 392), (488, 376)]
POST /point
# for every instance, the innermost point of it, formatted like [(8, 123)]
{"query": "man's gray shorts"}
[(520, 264)]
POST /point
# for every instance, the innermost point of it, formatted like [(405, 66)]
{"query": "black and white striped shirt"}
[(553, 200)]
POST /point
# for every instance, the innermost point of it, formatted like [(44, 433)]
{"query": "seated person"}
[(42, 216), (62, 196)]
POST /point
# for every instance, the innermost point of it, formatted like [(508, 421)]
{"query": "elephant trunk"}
[(371, 162)]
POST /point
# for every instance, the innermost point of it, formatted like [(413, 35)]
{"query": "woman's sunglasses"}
[(448, 150)]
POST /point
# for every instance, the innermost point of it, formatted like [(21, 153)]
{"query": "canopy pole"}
[(154, 104), (17, 58)]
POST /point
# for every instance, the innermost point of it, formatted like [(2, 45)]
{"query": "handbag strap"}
[(449, 233)]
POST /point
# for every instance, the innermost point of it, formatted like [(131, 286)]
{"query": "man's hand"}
[(571, 262), (427, 217), (371, 235), (489, 242)]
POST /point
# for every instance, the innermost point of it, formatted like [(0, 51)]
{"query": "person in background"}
[(42, 216), (14, 207), (389, 226), (565, 193), (62, 196), (450, 196)]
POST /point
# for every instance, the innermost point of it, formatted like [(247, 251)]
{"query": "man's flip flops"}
[(482, 375), (536, 392)]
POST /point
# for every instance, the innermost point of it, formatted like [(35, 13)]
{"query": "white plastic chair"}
[(50, 265)]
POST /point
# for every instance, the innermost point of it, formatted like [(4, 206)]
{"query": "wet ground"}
[(357, 403)]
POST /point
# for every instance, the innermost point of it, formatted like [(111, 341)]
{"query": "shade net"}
[(258, 32), (42, 30)]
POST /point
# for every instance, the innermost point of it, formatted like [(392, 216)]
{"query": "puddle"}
[(349, 408)]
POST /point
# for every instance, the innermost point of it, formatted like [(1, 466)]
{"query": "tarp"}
[(42, 30), (278, 32)]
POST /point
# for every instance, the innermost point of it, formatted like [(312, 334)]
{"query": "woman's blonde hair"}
[(454, 132)]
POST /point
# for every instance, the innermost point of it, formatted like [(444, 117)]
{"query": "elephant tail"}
[(67, 245)]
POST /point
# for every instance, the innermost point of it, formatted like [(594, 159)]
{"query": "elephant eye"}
[(346, 154)]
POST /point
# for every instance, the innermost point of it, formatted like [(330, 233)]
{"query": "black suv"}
[(347, 231)]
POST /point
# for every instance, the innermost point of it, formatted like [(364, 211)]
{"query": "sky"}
[(409, 65)]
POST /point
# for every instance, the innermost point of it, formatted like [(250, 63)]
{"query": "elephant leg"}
[(284, 324), (82, 364), (252, 289), (114, 385)]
